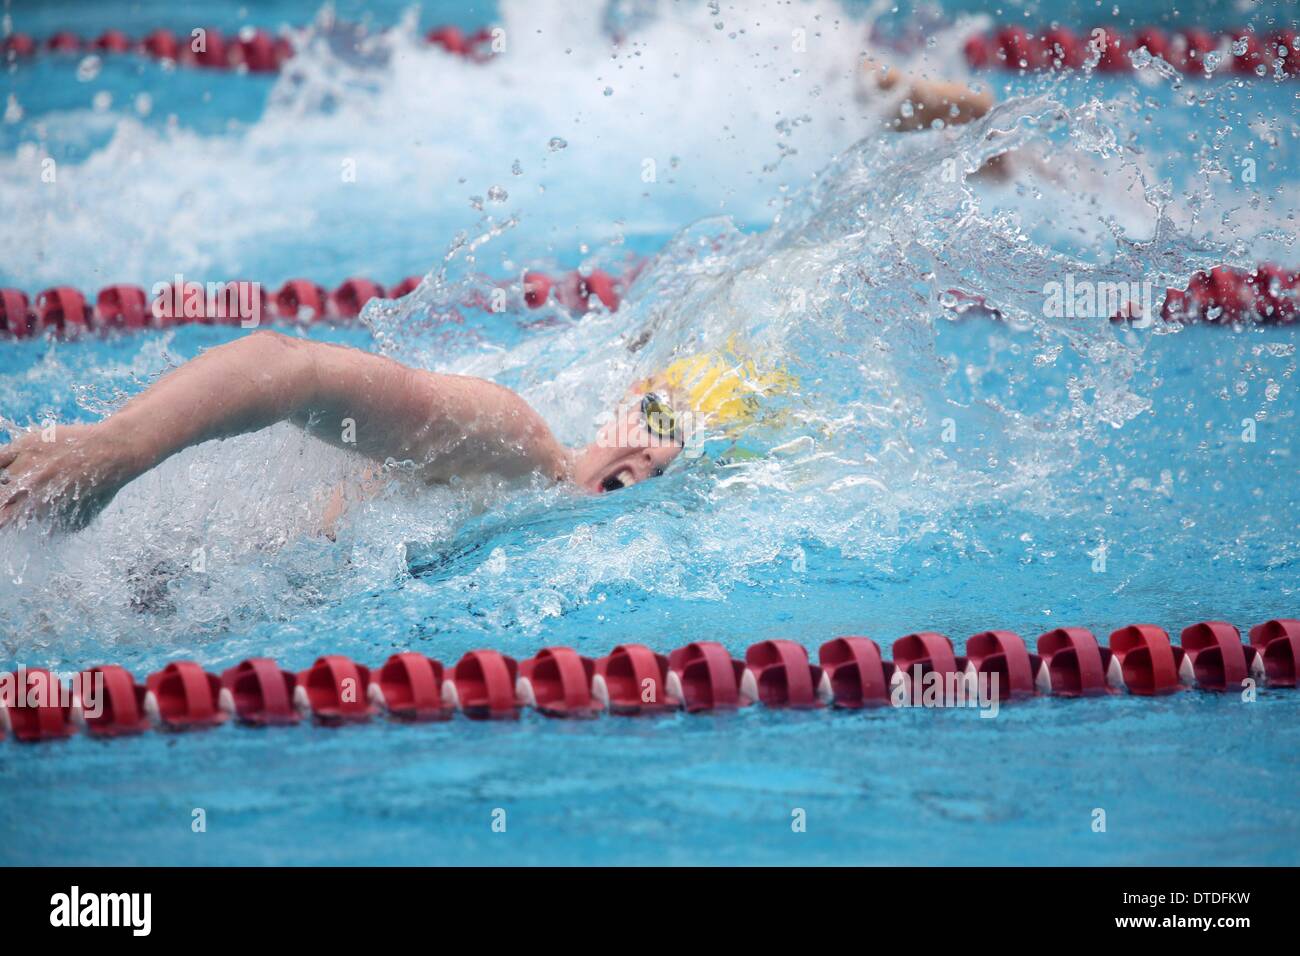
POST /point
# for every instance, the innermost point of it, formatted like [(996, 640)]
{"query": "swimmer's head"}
[(637, 442), (672, 410)]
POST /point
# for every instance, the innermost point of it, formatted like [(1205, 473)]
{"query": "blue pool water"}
[(780, 216)]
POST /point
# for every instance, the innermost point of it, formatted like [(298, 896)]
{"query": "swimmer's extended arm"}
[(930, 100), (445, 424)]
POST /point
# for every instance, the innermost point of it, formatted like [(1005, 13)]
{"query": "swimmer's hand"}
[(65, 473)]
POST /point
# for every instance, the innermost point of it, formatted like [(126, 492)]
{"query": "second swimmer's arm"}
[(930, 100)]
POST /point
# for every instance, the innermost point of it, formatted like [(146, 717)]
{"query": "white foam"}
[(703, 105)]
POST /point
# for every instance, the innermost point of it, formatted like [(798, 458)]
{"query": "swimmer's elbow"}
[(267, 342), (286, 365)]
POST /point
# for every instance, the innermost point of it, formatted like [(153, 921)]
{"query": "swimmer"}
[(449, 426)]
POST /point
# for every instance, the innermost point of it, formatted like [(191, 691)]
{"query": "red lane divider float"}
[(258, 692), (409, 686), (704, 676), (783, 676), (67, 312), (256, 51), (855, 673), (923, 653), (1214, 658), (41, 708), (1239, 52), (634, 680), (484, 685), (1269, 294), (1279, 643), (1003, 653), (121, 710), (335, 689), (183, 696), (558, 682), (1143, 660), (1072, 664)]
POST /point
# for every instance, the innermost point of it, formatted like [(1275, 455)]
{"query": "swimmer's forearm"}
[(243, 386)]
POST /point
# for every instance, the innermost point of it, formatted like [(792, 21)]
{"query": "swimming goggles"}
[(659, 417)]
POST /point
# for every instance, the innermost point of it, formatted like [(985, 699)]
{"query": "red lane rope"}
[(68, 312), (1011, 47), (256, 50), (633, 679), (1244, 52), (1222, 295)]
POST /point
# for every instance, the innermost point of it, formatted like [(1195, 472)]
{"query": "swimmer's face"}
[(637, 443)]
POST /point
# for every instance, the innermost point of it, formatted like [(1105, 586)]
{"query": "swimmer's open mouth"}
[(620, 479), (623, 478)]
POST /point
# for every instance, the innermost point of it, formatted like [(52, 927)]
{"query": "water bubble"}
[(497, 194), (609, 91), (88, 69), (556, 144), (102, 101), (516, 168)]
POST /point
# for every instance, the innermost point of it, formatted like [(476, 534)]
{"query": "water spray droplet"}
[(88, 69)]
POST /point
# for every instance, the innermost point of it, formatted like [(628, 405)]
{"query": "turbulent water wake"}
[(911, 419)]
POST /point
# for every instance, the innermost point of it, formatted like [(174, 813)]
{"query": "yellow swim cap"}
[(721, 388)]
